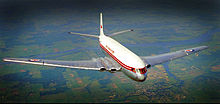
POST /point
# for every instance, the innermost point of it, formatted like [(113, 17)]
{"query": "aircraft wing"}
[(94, 64), (161, 58)]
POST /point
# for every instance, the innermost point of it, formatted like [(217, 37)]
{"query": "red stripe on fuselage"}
[(122, 64)]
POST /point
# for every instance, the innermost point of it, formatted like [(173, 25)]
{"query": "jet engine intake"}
[(112, 70), (102, 69)]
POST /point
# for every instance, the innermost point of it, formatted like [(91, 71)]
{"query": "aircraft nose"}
[(142, 77)]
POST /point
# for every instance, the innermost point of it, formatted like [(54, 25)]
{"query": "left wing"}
[(100, 64), (158, 59)]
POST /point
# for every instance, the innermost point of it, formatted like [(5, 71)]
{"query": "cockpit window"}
[(143, 70)]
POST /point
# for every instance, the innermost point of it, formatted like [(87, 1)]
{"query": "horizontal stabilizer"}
[(88, 35), (120, 32)]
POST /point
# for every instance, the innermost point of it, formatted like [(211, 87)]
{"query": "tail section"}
[(89, 35), (101, 25)]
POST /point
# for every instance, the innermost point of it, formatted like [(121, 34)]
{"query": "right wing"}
[(158, 59), (100, 64)]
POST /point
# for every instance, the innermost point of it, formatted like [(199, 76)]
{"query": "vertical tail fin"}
[(101, 25)]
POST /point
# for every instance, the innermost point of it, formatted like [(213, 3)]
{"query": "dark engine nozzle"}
[(148, 66), (112, 70), (102, 69)]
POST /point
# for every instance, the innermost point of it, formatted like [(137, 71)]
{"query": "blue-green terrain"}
[(39, 29)]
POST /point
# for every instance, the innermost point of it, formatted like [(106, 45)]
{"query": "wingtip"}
[(205, 47), (201, 48), (5, 59)]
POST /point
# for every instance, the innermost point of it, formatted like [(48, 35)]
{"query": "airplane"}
[(121, 58)]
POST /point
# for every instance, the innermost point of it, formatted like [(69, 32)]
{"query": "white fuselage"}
[(130, 62)]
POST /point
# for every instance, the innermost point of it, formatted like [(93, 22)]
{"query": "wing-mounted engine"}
[(108, 64), (102, 69), (111, 70)]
